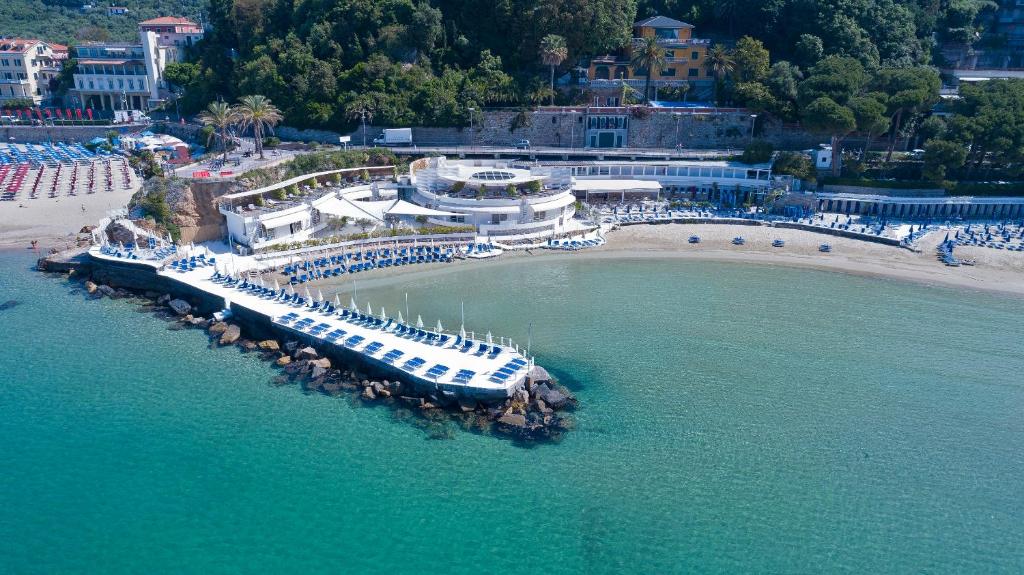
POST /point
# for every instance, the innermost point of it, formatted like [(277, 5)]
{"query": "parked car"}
[(523, 145)]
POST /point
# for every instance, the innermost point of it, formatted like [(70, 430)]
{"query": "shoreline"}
[(864, 260)]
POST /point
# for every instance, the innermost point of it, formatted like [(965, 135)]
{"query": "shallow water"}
[(733, 418)]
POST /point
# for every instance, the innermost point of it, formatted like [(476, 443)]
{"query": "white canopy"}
[(341, 207), (404, 208), (615, 185), (277, 219)]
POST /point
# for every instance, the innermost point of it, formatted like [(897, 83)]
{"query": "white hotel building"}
[(130, 76)]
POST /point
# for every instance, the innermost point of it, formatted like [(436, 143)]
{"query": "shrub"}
[(757, 152)]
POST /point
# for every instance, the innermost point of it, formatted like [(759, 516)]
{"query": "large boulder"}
[(283, 360), (322, 362), (90, 287), (305, 353), (368, 394), (107, 291), (318, 371), (120, 234), (231, 335), (552, 397), (269, 345), (217, 328), (180, 306)]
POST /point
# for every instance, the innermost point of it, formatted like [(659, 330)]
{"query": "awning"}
[(616, 185), (342, 208), (404, 208), (278, 220)]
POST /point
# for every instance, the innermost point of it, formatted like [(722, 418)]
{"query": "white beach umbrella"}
[(462, 332), (319, 296), (352, 304), (438, 327), (383, 316), (490, 339), (369, 310), (419, 322), (291, 290), (337, 301), (309, 296), (277, 286), (400, 318)]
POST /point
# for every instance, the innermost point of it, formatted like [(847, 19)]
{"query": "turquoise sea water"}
[(733, 419)]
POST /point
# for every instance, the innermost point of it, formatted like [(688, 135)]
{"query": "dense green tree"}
[(827, 117), (941, 157), (752, 60), (910, 91)]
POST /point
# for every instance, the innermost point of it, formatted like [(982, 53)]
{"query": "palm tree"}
[(720, 63), (221, 116), (553, 52), (361, 108), (649, 56), (258, 112)]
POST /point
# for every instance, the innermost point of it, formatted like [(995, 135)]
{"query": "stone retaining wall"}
[(82, 134), (915, 192)]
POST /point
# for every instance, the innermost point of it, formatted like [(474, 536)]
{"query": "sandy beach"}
[(996, 271), (55, 222)]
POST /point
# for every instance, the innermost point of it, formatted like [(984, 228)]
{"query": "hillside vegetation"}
[(63, 21)]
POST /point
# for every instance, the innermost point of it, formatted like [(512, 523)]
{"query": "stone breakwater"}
[(538, 412)]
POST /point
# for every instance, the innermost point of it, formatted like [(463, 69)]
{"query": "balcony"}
[(638, 83)]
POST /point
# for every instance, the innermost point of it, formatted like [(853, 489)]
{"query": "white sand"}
[(55, 221)]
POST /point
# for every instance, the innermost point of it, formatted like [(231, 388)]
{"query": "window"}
[(692, 73), (668, 72), (670, 53), (666, 33), (695, 55)]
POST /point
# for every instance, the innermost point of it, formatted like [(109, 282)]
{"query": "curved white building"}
[(502, 199)]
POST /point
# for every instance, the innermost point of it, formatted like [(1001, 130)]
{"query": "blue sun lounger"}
[(414, 364), (437, 371), (374, 347), (463, 376), (354, 340), (393, 355)]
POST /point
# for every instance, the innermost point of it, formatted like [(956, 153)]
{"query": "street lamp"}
[(753, 122), (471, 110)]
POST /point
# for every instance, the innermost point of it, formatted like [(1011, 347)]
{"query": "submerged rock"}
[(283, 360), (8, 304), (218, 328), (90, 288), (107, 291)]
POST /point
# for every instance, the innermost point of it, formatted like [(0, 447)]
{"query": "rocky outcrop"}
[(90, 288), (217, 328)]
